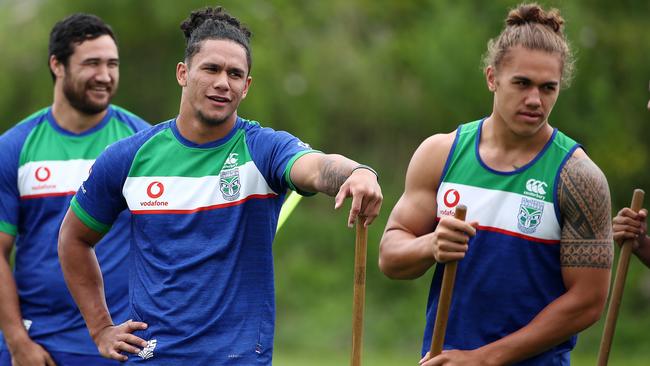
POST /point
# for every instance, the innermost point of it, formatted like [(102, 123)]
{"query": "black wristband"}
[(362, 166)]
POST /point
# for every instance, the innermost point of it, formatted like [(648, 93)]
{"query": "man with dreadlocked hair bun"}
[(536, 251), (205, 190)]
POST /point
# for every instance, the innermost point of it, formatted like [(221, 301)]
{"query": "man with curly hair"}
[(44, 160)]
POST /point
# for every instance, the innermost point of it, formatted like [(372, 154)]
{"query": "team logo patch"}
[(147, 352), (530, 215), (229, 184)]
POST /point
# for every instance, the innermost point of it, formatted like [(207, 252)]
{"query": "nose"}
[(533, 99), (221, 81), (103, 74)]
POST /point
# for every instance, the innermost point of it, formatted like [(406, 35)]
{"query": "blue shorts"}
[(66, 359)]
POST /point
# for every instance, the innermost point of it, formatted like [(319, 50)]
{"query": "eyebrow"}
[(237, 70), (523, 78), (91, 59)]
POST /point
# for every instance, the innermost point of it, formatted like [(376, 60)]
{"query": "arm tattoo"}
[(584, 201), (333, 176)]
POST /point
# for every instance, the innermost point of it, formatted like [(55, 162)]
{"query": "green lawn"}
[(334, 359), (337, 359)]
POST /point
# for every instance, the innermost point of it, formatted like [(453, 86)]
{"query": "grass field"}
[(330, 359)]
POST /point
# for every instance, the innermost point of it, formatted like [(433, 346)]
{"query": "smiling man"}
[(535, 254), (45, 158), (205, 190)]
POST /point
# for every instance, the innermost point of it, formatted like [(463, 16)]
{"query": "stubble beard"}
[(79, 101), (211, 122)]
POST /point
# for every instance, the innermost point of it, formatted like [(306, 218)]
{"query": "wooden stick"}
[(444, 302), (619, 285), (360, 249)]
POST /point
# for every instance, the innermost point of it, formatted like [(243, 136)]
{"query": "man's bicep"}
[(415, 212), (585, 206), (6, 244), (304, 172), (74, 229)]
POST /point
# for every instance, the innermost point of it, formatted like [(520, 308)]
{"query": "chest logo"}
[(451, 198), (530, 215), (229, 184), (231, 161), (536, 188), (155, 190), (42, 174)]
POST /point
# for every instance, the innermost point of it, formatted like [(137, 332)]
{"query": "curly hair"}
[(529, 26), (214, 23), (72, 30)]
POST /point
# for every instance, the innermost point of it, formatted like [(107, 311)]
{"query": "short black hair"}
[(72, 30), (214, 23)]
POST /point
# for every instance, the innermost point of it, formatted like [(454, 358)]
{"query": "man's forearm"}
[(11, 322), (644, 252), (564, 317), (333, 171), (404, 256), (84, 279)]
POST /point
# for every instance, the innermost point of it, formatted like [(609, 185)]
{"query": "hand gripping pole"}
[(444, 302), (619, 285)]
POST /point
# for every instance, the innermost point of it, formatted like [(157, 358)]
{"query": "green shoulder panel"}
[(163, 155), (44, 143), (536, 179)]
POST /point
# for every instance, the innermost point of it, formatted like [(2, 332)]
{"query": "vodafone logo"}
[(42, 174), (451, 198), (155, 190)]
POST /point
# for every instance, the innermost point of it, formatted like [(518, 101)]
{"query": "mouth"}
[(219, 99), (531, 116), (100, 89)]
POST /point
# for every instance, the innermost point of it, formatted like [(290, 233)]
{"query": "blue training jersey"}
[(203, 218), (42, 167)]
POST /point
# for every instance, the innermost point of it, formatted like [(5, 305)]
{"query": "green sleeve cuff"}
[(87, 219), (8, 228), (287, 172)]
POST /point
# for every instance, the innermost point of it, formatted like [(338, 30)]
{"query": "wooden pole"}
[(444, 302), (360, 251), (619, 285)]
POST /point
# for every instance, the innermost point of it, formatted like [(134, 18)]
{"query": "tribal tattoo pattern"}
[(333, 176), (585, 204)]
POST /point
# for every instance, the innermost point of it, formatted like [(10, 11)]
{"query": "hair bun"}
[(533, 13), (218, 14)]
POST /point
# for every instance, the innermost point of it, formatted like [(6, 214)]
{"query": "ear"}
[(58, 69), (490, 78), (249, 80), (181, 74)]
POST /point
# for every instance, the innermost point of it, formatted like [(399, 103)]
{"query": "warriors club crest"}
[(530, 215), (229, 184)]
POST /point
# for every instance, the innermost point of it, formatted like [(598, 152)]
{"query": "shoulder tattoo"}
[(584, 201)]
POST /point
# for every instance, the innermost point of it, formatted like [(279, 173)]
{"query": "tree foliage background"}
[(370, 80)]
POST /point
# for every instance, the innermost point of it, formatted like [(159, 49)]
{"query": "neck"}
[(496, 133), (503, 150), (70, 119), (199, 132)]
